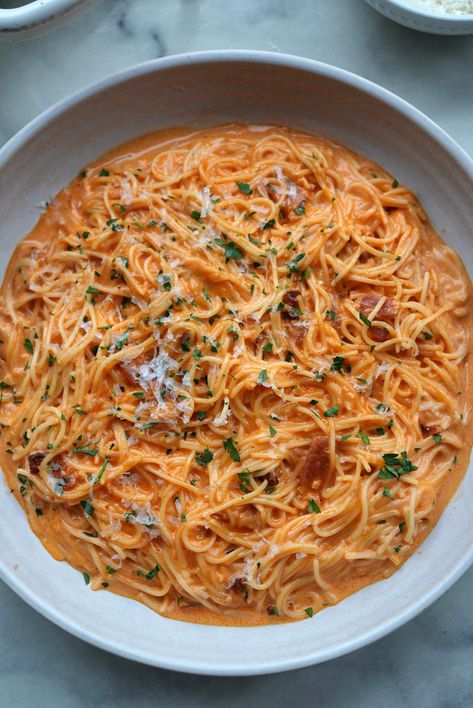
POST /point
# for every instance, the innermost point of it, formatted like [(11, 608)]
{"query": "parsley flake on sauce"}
[(231, 449), (337, 363), (232, 251), (244, 188), (313, 507), (203, 458), (263, 375), (331, 412), (87, 507), (395, 465)]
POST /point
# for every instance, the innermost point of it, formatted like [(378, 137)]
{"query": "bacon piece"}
[(379, 334), (239, 585), (290, 300), (430, 429), (271, 479), (317, 462), (247, 517), (386, 312), (35, 460)]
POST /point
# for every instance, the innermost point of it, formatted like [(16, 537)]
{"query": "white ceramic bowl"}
[(409, 15), (32, 18), (200, 90)]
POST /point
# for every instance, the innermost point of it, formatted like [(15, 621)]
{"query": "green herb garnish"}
[(331, 412), (231, 449), (313, 507), (244, 188), (203, 458)]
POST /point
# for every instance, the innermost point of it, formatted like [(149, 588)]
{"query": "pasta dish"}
[(234, 374)]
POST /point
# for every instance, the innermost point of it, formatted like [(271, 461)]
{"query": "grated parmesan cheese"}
[(381, 369), (226, 412), (157, 371), (449, 7)]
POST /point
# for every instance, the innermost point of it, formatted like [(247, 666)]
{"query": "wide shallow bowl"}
[(419, 18), (201, 90)]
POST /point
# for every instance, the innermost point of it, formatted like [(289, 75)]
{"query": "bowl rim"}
[(424, 13), (20, 139)]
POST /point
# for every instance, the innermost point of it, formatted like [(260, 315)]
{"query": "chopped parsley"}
[(91, 452), (87, 507), (364, 437), (28, 345), (337, 363), (387, 493), (91, 290), (231, 449), (244, 478), (268, 347), (438, 438), (195, 214), (272, 431), (244, 188), (395, 465), (263, 375), (150, 574), (104, 173), (269, 224), (299, 210), (395, 183), (232, 251), (86, 577), (313, 507), (365, 320), (309, 611), (51, 359), (97, 479), (203, 458), (292, 265), (331, 412)]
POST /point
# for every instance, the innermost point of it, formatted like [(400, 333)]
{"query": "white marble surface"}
[(427, 663)]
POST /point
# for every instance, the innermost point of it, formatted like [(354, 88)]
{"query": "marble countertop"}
[(425, 664)]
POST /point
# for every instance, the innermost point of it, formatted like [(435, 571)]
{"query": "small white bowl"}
[(199, 90), (409, 15), (33, 18)]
